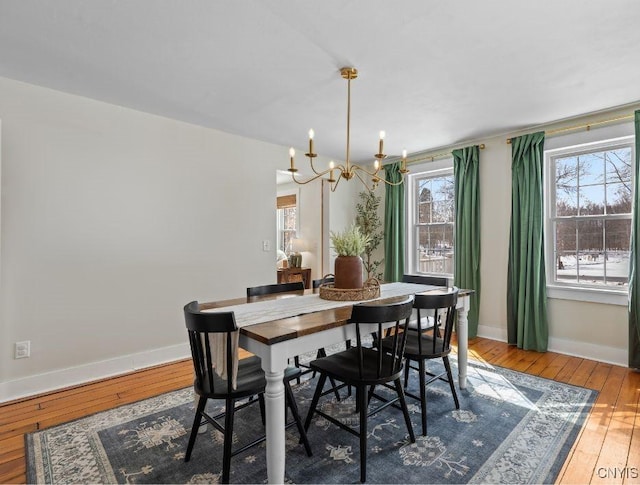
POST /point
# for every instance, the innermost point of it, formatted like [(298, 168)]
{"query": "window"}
[(286, 222), (589, 194), (430, 226)]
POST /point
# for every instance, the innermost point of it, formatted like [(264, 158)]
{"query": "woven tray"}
[(370, 290)]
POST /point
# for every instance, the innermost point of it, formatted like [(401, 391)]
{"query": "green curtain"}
[(393, 225), (466, 168), (526, 283), (634, 262)]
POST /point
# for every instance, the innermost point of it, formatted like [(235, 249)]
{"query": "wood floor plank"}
[(569, 369), (585, 453), (542, 363), (598, 377), (633, 462), (615, 450), (555, 366), (580, 376)]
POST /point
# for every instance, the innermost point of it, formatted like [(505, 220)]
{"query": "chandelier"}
[(349, 170)]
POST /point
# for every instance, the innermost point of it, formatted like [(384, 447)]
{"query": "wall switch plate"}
[(22, 349), (266, 245)]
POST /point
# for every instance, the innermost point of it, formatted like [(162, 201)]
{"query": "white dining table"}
[(281, 332)]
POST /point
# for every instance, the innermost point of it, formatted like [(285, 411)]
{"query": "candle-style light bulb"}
[(331, 167), (292, 153), (382, 134), (311, 135), (376, 165)]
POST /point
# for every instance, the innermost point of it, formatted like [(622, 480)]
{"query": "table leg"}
[(275, 406), (463, 341)]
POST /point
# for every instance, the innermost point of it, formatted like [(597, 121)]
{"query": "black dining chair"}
[(202, 328), (316, 283), (365, 367), (425, 280), (423, 345), (264, 290)]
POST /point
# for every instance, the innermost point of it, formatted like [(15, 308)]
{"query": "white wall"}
[(111, 221)]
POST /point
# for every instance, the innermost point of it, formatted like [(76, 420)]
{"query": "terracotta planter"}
[(348, 272)]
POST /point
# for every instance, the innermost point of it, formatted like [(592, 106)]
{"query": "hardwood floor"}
[(607, 450)]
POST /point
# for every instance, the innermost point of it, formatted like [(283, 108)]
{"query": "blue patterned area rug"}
[(511, 428)]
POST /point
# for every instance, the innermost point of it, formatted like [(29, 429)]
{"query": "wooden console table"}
[(291, 275)]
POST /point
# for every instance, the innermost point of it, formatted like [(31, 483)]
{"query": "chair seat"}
[(251, 380), (412, 351), (344, 367), (425, 323)]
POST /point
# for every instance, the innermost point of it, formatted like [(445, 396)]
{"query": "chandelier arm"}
[(372, 174), (335, 185), (313, 168), (393, 184), (378, 177), (362, 180), (304, 182)]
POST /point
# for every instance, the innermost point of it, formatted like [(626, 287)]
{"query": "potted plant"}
[(370, 224), (349, 245)]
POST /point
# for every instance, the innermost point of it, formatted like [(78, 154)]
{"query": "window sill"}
[(587, 294)]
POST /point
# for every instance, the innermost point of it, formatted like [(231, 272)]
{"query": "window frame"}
[(572, 145), (288, 195), (427, 170)]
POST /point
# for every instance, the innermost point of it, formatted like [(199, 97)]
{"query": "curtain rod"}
[(586, 126), (431, 158)]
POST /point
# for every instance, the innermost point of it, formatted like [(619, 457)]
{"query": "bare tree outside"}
[(593, 216), (435, 212)]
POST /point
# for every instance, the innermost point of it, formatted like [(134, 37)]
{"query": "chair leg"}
[(194, 429), (296, 361), (447, 365), (405, 409), (423, 396), (319, 354), (314, 401), (291, 402), (361, 396), (262, 408), (228, 439), (406, 372)]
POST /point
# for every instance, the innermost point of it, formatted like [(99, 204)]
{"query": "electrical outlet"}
[(22, 349)]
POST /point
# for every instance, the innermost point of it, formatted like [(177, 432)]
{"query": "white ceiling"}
[(433, 73)]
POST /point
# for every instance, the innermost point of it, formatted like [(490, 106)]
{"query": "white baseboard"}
[(601, 353), (585, 350), (72, 376), (493, 333)]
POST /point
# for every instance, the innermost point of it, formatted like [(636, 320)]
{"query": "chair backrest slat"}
[(200, 326)]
